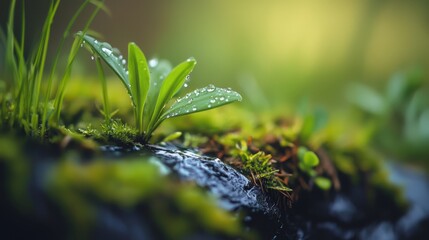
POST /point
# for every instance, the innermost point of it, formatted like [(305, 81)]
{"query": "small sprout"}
[(172, 137), (309, 160), (152, 85), (323, 183)]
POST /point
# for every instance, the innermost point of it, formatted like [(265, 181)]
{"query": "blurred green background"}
[(287, 49), (279, 55)]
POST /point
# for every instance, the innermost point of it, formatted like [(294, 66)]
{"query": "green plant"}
[(399, 116), (22, 104), (308, 160), (152, 85), (260, 169)]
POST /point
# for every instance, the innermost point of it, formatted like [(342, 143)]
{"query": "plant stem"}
[(104, 87)]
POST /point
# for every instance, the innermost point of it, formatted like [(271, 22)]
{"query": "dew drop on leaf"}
[(211, 88), (153, 62), (106, 50)]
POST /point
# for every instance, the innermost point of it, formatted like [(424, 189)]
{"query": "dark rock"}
[(232, 189)]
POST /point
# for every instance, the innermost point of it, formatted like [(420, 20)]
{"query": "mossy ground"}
[(263, 146)]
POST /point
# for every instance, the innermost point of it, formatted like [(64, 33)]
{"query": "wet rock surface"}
[(231, 188), (343, 215)]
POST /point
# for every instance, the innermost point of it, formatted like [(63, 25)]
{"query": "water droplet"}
[(116, 51), (194, 108), (120, 57), (222, 98), (106, 50), (153, 62), (126, 72), (92, 58), (186, 85), (210, 88), (124, 61), (106, 45), (209, 105), (212, 101), (81, 45)]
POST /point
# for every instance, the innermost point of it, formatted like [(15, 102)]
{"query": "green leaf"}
[(301, 152), (172, 137), (139, 81), (310, 159), (110, 57), (323, 183), (170, 86), (200, 100), (366, 98), (159, 69)]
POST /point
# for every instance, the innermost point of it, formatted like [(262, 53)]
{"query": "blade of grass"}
[(58, 101), (55, 62), (9, 57), (43, 49)]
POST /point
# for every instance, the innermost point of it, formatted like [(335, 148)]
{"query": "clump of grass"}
[(23, 103)]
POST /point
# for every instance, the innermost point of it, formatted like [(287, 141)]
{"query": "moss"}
[(129, 183), (78, 187)]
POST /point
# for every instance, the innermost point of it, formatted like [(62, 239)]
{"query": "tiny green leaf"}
[(301, 152), (310, 159), (200, 100), (172, 137), (323, 183)]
